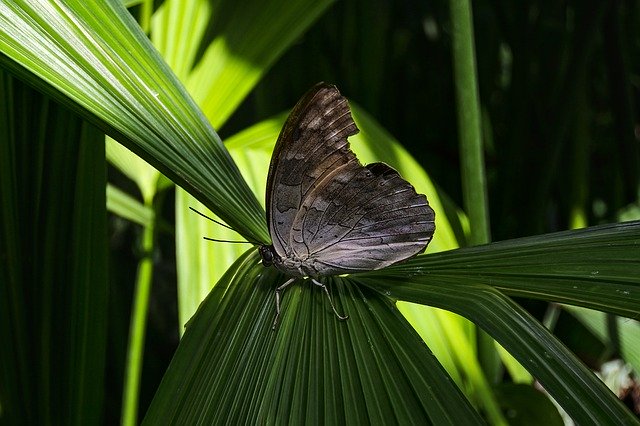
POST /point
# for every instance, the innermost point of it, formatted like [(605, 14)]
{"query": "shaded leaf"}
[(53, 282), (595, 267), (628, 331), (524, 405), (468, 281), (231, 367)]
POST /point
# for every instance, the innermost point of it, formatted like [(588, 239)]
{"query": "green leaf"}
[(92, 56), (595, 267), (201, 263), (128, 207), (551, 267), (178, 31), (53, 283), (599, 324), (579, 392), (135, 168), (248, 37), (231, 367), (516, 371), (526, 405)]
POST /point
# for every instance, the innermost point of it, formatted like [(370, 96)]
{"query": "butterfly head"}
[(268, 255)]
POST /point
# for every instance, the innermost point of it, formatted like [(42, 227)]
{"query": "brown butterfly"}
[(327, 213)]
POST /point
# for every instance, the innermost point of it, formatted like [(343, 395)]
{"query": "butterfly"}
[(327, 213)]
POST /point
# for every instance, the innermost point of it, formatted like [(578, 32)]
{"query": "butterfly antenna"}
[(225, 241), (211, 219), (221, 224)]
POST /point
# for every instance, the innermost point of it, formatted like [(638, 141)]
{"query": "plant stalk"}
[(137, 329), (469, 122), (474, 188)]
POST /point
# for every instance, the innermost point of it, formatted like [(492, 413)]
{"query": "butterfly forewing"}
[(313, 142), (326, 211)]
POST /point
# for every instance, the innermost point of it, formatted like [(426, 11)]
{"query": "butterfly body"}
[(293, 266)]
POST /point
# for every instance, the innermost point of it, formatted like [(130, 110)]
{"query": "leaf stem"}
[(469, 122), (137, 330)]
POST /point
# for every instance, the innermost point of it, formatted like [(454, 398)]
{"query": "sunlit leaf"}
[(92, 56)]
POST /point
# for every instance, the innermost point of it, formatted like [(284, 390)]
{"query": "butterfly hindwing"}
[(366, 218)]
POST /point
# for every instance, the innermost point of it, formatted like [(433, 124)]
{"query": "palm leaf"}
[(231, 366), (53, 286), (93, 56), (282, 361)]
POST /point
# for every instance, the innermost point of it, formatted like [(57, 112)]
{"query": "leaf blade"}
[(308, 365), (92, 56), (554, 267)]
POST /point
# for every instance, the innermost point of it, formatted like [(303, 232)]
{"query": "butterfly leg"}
[(278, 292), (326, 291)]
